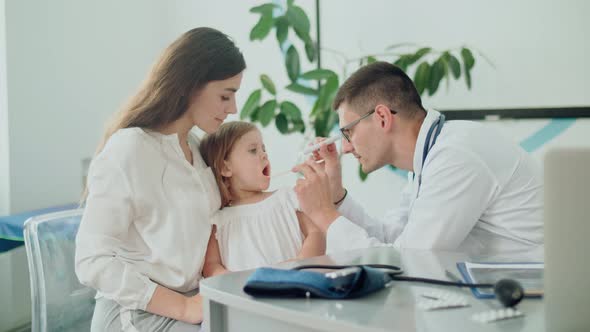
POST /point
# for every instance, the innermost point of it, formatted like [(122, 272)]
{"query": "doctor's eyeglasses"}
[(346, 129)]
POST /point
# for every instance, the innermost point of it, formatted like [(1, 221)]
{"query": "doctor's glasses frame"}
[(346, 129)]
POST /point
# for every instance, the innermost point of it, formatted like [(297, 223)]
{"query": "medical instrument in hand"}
[(317, 146), (279, 174)]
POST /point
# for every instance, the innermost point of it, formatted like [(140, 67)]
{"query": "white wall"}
[(4, 170), (538, 48), (71, 64)]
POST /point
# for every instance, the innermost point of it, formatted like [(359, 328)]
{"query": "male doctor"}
[(469, 188)]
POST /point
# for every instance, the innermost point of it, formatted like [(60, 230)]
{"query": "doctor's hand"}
[(313, 193), (332, 167)]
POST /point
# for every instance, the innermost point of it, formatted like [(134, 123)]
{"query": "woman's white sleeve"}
[(107, 217)]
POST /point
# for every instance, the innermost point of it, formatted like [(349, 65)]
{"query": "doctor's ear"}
[(225, 170), (385, 116)]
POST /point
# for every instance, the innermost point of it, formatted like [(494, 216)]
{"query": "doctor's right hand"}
[(332, 167)]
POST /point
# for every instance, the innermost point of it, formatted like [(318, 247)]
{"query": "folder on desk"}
[(529, 275)]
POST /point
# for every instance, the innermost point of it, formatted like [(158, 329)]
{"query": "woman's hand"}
[(168, 303), (193, 313)]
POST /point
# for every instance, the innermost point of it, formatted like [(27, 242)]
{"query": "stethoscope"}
[(508, 291), (431, 138)]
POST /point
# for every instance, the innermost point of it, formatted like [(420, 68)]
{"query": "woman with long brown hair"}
[(145, 230)]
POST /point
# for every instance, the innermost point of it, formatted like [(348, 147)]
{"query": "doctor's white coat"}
[(480, 193)]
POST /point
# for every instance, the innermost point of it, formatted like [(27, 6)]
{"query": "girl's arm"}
[(314, 243), (213, 265)]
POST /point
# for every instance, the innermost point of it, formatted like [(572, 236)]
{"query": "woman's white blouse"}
[(146, 220), (259, 234)]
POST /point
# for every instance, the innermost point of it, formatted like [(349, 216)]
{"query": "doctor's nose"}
[(346, 146)]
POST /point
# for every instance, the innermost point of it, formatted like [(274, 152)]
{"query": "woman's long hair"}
[(196, 58)]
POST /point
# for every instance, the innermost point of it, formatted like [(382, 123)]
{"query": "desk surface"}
[(392, 309)]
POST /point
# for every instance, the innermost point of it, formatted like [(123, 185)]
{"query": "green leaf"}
[(419, 54), (282, 30), (445, 59), (268, 84), (254, 114), (267, 112), (468, 63), (319, 124), (318, 74), (371, 59), (296, 87), (468, 79), (282, 123), (455, 66), (290, 110), (252, 102), (468, 58), (402, 61), (299, 126), (406, 60), (265, 9), (298, 20), (262, 28), (422, 76), (437, 72), (332, 121), (362, 174), (326, 97), (327, 93), (292, 63), (391, 47), (310, 50)]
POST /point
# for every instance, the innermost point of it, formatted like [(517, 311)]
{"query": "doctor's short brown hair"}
[(215, 149), (379, 82)]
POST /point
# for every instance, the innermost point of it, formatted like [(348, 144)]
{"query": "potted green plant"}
[(429, 67)]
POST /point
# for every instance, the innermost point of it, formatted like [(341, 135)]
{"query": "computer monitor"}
[(567, 239)]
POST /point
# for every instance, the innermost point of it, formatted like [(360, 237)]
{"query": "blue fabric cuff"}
[(269, 282)]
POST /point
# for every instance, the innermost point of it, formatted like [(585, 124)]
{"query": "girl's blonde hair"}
[(216, 148), (196, 58)]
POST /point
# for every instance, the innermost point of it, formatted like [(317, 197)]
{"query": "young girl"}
[(254, 227)]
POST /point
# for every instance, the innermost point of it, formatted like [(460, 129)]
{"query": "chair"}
[(59, 301)]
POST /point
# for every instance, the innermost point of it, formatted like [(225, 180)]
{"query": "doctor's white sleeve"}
[(457, 187), (105, 223), (356, 229)]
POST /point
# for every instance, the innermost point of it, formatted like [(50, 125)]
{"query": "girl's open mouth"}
[(266, 170)]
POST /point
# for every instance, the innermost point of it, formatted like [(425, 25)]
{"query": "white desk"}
[(228, 308)]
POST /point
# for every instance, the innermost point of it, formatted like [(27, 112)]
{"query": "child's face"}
[(247, 165)]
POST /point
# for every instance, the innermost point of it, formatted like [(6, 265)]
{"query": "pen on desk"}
[(453, 277)]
